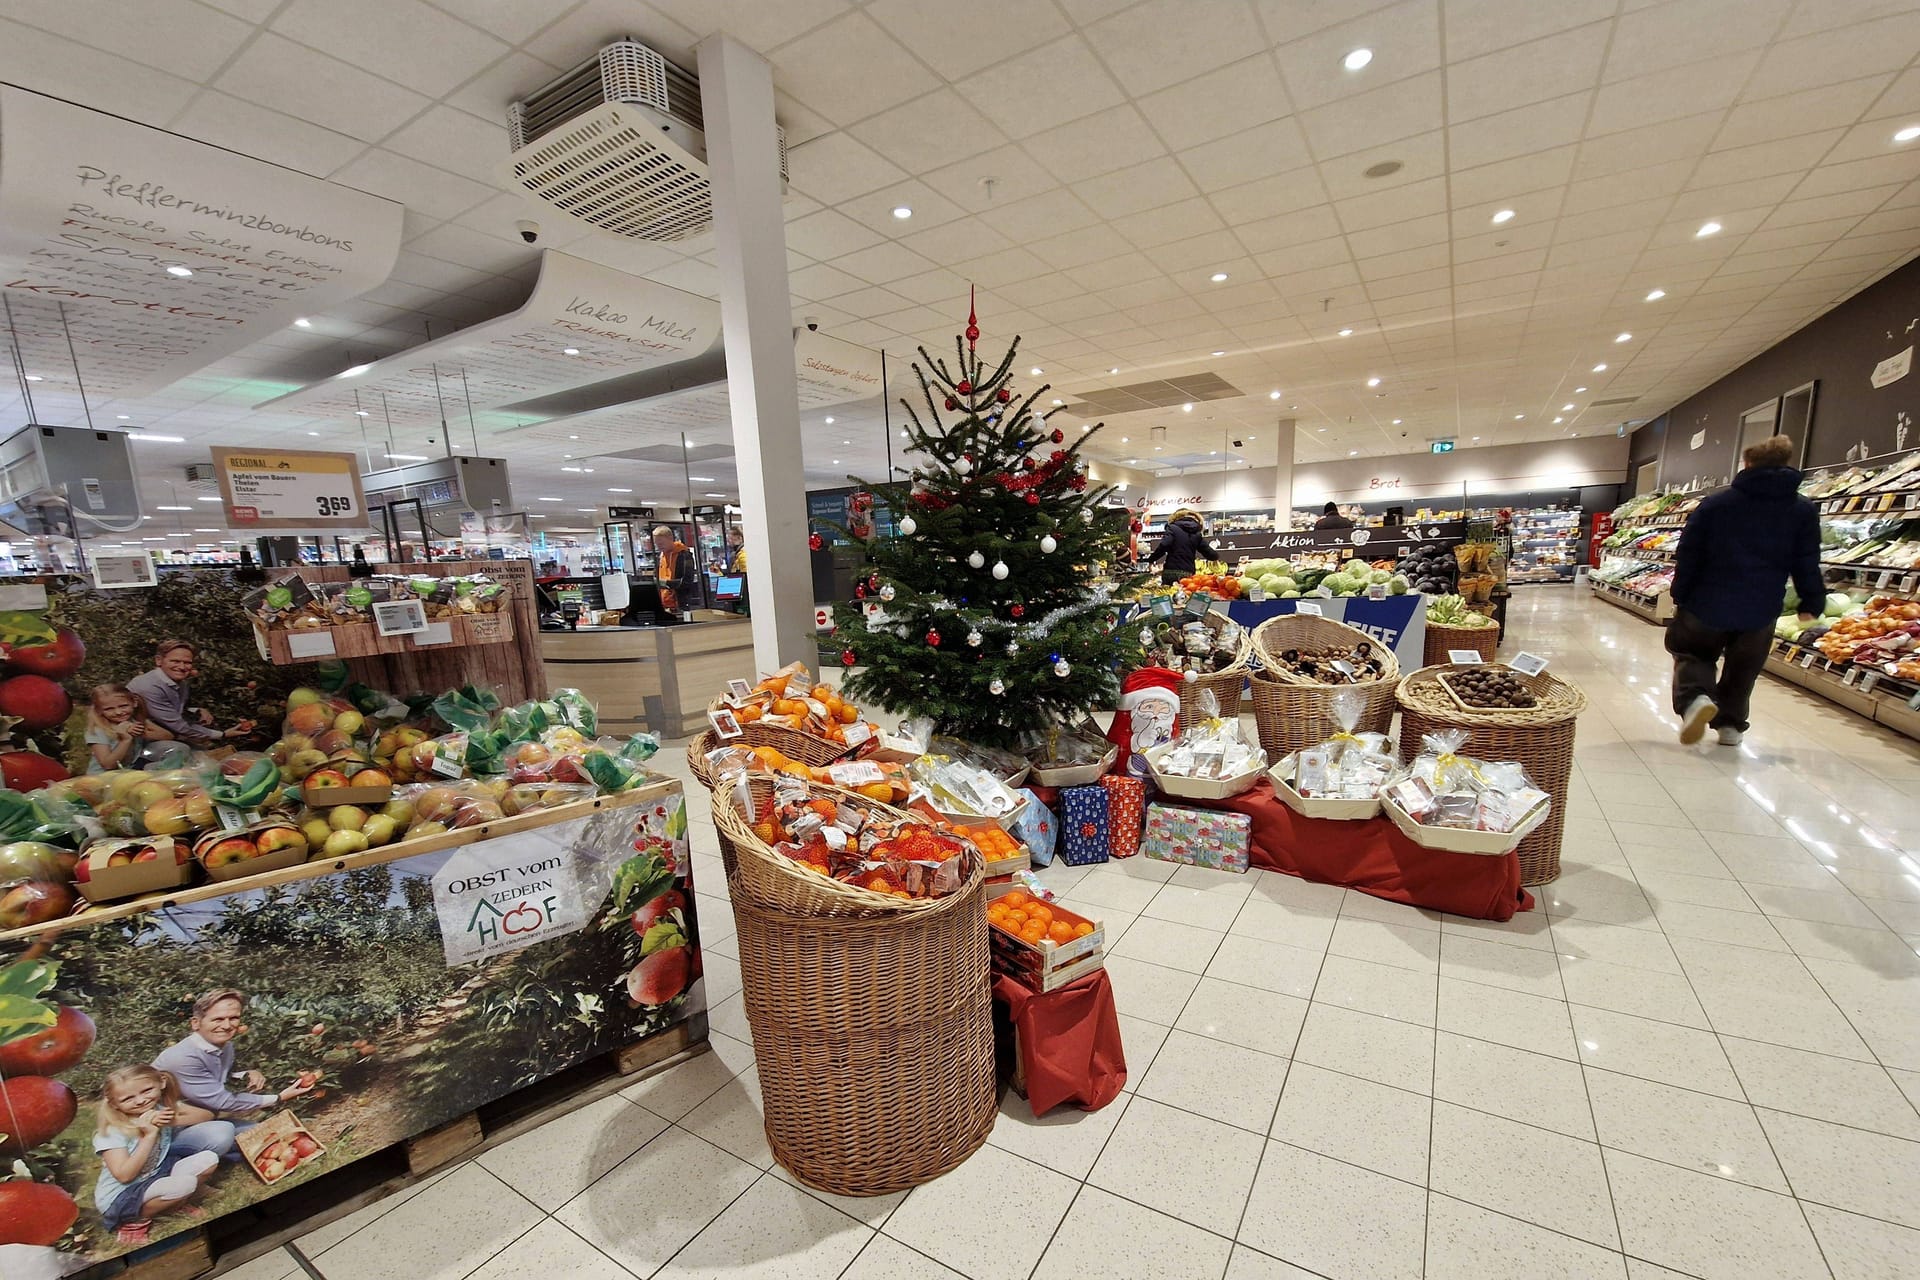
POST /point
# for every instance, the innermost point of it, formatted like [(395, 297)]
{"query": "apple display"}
[(342, 843), (346, 817)]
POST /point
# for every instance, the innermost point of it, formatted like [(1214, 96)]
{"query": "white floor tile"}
[(1140, 1040), (1280, 922), (1884, 1010), (679, 1089), (937, 1218), (1362, 906), (1384, 989), (1664, 997), (776, 1231), (277, 1265), (1861, 1094), (1860, 1248), (1660, 1051), (1149, 991), (1292, 891), (732, 1119), (1122, 893), (1537, 973), (443, 1233), (1467, 1242), (1303, 1211), (885, 1258), (1533, 1088), (1395, 944), (1183, 904), (1850, 1169), (872, 1210), (684, 1182), (1358, 1121), (1693, 1130), (1067, 1138), (1196, 1169), (1246, 1016), (1709, 1226), (1512, 1018), (1525, 929), (1716, 924), (1387, 1052), (1250, 1264), (1271, 966), (1220, 1081), (548, 1250), (1106, 1235), (1664, 886), (1162, 942), (556, 1162), (1547, 1179)]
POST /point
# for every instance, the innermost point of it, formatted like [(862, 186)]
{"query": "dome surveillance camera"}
[(529, 231), (813, 324)]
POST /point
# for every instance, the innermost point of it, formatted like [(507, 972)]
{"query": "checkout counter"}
[(644, 670)]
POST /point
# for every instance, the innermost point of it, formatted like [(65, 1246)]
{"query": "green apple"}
[(303, 696), (346, 817), (342, 843), (379, 829), (401, 811), (316, 830)]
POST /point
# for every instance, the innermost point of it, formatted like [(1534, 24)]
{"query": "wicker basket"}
[(697, 758), (1226, 684), (778, 881), (1291, 713), (794, 744), (1540, 738), (873, 1038), (1442, 638)]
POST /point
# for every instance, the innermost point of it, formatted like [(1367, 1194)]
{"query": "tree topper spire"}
[(973, 321)]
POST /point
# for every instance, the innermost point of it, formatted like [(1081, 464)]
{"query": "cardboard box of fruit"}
[(278, 1145), (122, 868), (1066, 945), (264, 846)]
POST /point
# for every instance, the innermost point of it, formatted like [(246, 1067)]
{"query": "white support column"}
[(756, 317), (1283, 474)]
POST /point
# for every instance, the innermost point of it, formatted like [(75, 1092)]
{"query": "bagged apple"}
[(439, 807), (36, 883), (173, 802), (531, 797)]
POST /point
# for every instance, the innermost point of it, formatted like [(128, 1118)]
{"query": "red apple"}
[(312, 719), (373, 778), (325, 780), (304, 1147), (228, 851), (654, 912), (47, 1051), (147, 854), (120, 858), (36, 1109), (278, 837), (35, 902), (333, 740), (660, 977), (29, 770), (82, 871), (56, 659), (39, 703), (35, 1213)]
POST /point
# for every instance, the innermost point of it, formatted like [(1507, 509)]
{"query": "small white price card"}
[(1806, 663), (310, 644), (400, 617), (738, 691), (1869, 680), (1886, 576), (1851, 676), (434, 633), (1528, 664), (1376, 591), (1309, 608), (1464, 657), (1907, 583), (112, 572)]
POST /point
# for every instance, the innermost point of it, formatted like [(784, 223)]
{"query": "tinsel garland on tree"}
[(980, 613)]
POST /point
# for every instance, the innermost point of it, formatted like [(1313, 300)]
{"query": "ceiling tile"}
[(1476, 27), (587, 28), (929, 132), (1197, 259), (1679, 32), (1158, 43), (886, 262), (1670, 94), (1655, 144), (179, 37), (1539, 127), (814, 69), (419, 186), (1043, 87), (992, 31), (1095, 144), (1280, 194), (451, 242), (1417, 200), (488, 94), (333, 94), (998, 178), (1218, 103), (874, 211), (1526, 73), (253, 130), (1765, 159), (407, 41), (823, 281), (1373, 119), (1804, 112), (1855, 174), (453, 140), (835, 166), (1168, 222), (1405, 39), (1077, 248), (957, 241), (1288, 229), (756, 24), (1833, 57), (1143, 186), (1040, 217)]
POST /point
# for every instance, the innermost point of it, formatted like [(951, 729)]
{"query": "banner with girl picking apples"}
[(163, 1068)]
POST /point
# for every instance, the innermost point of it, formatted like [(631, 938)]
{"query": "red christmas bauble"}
[(952, 403), (815, 541), (1058, 435), (846, 657), (1078, 483), (1057, 457), (859, 591), (1018, 610), (1134, 527), (1003, 395), (1028, 463), (964, 387), (933, 638), (1033, 499), (973, 333)]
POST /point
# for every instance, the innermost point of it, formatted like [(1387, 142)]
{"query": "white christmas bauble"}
[(998, 687), (907, 526), (977, 560), (1048, 544), (1063, 668), (1146, 637), (1000, 569), (974, 638), (1191, 675), (1086, 515), (886, 592), (1012, 648), (963, 466)]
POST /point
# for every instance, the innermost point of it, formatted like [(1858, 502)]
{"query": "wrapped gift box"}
[(1083, 825), (1198, 837), (1126, 812), (1037, 828)]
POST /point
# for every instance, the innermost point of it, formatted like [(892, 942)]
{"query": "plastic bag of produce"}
[(467, 707), (36, 882), (175, 802)]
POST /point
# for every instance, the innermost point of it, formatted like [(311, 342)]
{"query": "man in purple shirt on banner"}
[(203, 1063), (165, 690)]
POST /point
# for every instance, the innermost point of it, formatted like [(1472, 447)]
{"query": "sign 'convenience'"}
[(284, 489)]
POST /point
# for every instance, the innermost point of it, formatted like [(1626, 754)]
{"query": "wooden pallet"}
[(239, 1237)]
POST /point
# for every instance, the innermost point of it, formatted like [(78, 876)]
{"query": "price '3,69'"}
[(332, 506)]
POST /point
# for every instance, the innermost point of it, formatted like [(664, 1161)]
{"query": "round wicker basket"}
[(697, 758), (777, 881), (1540, 738), (1227, 684), (873, 1039), (1441, 639), (794, 744), (1291, 713)]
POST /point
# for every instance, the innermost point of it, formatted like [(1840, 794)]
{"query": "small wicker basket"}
[(1540, 738), (1443, 639), (1227, 684), (1291, 713), (794, 744), (1306, 632)]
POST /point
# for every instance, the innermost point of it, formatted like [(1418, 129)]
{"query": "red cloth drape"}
[(1069, 1041)]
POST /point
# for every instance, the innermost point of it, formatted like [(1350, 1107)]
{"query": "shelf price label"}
[(291, 489), (1806, 663)]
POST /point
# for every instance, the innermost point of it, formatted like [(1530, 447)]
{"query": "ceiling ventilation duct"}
[(618, 143)]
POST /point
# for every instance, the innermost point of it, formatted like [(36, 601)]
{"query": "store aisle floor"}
[(1699, 1056)]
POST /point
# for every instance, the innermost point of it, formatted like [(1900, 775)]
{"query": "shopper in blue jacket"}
[(1737, 552)]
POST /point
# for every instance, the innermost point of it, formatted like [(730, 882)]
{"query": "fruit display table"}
[(342, 1005)]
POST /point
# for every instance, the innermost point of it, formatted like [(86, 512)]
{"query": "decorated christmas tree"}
[(980, 613)]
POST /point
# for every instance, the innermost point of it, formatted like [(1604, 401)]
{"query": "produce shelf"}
[(1889, 502), (1655, 609), (1882, 699)]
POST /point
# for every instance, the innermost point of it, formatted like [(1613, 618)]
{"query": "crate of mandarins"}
[(1040, 942)]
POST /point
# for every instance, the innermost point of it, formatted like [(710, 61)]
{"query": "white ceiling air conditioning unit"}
[(618, 143)]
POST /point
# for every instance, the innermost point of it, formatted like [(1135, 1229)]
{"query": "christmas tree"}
[(981, 614)]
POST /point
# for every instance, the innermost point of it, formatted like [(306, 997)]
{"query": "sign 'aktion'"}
[(282, 489)]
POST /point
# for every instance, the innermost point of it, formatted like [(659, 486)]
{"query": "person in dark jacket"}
[(1183, 543), (1330, 518), (1737, 551)]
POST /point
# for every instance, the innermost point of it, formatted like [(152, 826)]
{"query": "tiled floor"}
[(1700, 1056)]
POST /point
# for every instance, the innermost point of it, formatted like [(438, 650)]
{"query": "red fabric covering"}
[(1069, 1041), (1375, 858)]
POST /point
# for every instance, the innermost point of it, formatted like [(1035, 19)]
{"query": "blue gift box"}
[(1083, 825), (1037, 828)]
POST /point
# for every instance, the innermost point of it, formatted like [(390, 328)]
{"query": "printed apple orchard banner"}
[(399, 1015)]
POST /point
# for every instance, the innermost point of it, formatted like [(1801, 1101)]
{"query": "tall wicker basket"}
[(795, 744), (1226, 684), (1291, 713), (1539, 738), (1443, 639)]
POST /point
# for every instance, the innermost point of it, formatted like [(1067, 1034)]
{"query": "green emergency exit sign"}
[(1441, 446)]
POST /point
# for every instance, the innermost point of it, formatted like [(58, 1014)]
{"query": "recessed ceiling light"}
[(1373, 382), (1518, 416), (1623, 337), (715, 495), (1273, 395), (173, 508), (1476, 437), (846, 442), (587, 509), (1058, 401), (1707, 229), (1217, 276), (1504, 215), (361, 413), (688, 444), (123, 416), (1566, 408), (1253, 437), (1396, 422), (1357, 59), (548, 499), (902, 212), (1656, 295), (829, 422), (182, 272), (1353, 453), (215, 499), (301, 322), (702, 479), (1085, 427), (34, 377), (1186, 408), (1115, 369), (1123, 439), (836, 462), (569, 351), (1156, 448), (206, 531), (1908, 134), (1579, 391), (1036, 371), (1219, 353), (141, 435), (1346, 333), (1601, 367), (313, 433), (619, 491)]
